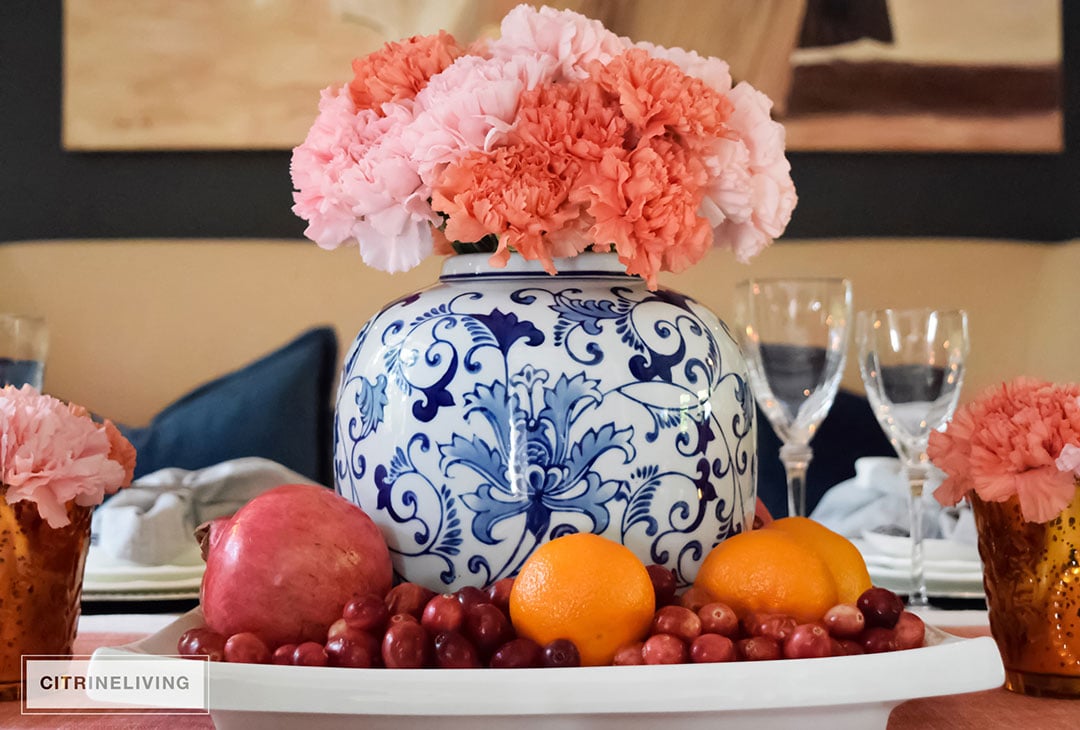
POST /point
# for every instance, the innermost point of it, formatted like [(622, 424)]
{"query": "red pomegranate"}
[(286, 563)]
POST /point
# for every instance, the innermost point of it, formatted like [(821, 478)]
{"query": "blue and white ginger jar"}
[(502, 408)]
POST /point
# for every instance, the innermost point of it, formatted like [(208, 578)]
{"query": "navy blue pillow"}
[(279, 407), (849, 432)]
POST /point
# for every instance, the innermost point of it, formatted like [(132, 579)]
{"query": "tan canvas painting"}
[(854, 75), (224, 74)]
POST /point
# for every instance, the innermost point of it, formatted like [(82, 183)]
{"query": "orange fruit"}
[(585, 588), (768, 571), (845, 562)]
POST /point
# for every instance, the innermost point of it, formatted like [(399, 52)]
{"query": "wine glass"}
[(793, 334), (912, 363)]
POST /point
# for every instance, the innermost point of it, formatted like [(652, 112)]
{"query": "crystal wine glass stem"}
[(916, 476), (796, 458)]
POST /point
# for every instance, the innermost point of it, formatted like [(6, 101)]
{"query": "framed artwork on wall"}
[(845, 75), (925, 75)]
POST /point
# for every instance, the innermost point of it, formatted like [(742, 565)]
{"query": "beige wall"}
[(136, 324)]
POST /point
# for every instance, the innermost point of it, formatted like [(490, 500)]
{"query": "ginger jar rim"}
[(471, 265)]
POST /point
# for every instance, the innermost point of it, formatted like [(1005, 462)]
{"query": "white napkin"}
[(152, 521), (876, 500)]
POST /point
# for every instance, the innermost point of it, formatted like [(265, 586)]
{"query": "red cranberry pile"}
[(412, 627)]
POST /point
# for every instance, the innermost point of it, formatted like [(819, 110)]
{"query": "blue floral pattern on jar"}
[(502, 408)]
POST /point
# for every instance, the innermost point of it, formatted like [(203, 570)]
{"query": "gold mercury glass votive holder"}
[(41, 575), (1032, 578)]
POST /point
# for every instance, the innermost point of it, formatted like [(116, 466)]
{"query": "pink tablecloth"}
[(995, 708)]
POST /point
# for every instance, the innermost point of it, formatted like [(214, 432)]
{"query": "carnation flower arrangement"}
[(53, 454), (556, 138), (1021, 439)]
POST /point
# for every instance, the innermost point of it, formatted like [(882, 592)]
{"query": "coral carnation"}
[(647, 206), (400, 70), (1009, 443), (518, 193), (657, 97), (464, 107), (713, 71), (605, 143), (121, 451), (571, 119)]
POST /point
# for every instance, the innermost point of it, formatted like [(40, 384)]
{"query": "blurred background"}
[(156, 118), (145, 146), (145, 199)]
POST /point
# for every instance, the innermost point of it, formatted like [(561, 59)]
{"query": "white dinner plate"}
[(111, 579), (142, 591), (960, 567), (136, 590), (837, 692), (142, 597), (900, 547), (950, 569), (938, 585), (115, 573)]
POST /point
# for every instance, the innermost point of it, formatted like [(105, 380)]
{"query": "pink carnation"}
[(464, 108), (52, 454), (340, 136), (752, 196), (390, 201), (357, 184), (1069, 459), (569, 40), (649, 150), (1012, 442)]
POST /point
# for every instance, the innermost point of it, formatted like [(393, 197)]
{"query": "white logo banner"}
[(122, 684)]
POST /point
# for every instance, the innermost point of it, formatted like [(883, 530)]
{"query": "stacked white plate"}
[(110, 579), (952, 569)]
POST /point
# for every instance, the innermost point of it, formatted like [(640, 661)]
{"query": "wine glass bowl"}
[(912, 364), (793, 334)]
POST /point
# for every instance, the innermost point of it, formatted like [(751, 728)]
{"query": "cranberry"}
[(664, 649), (663, 582), (712, 648), (677, 621), (881, 607)]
